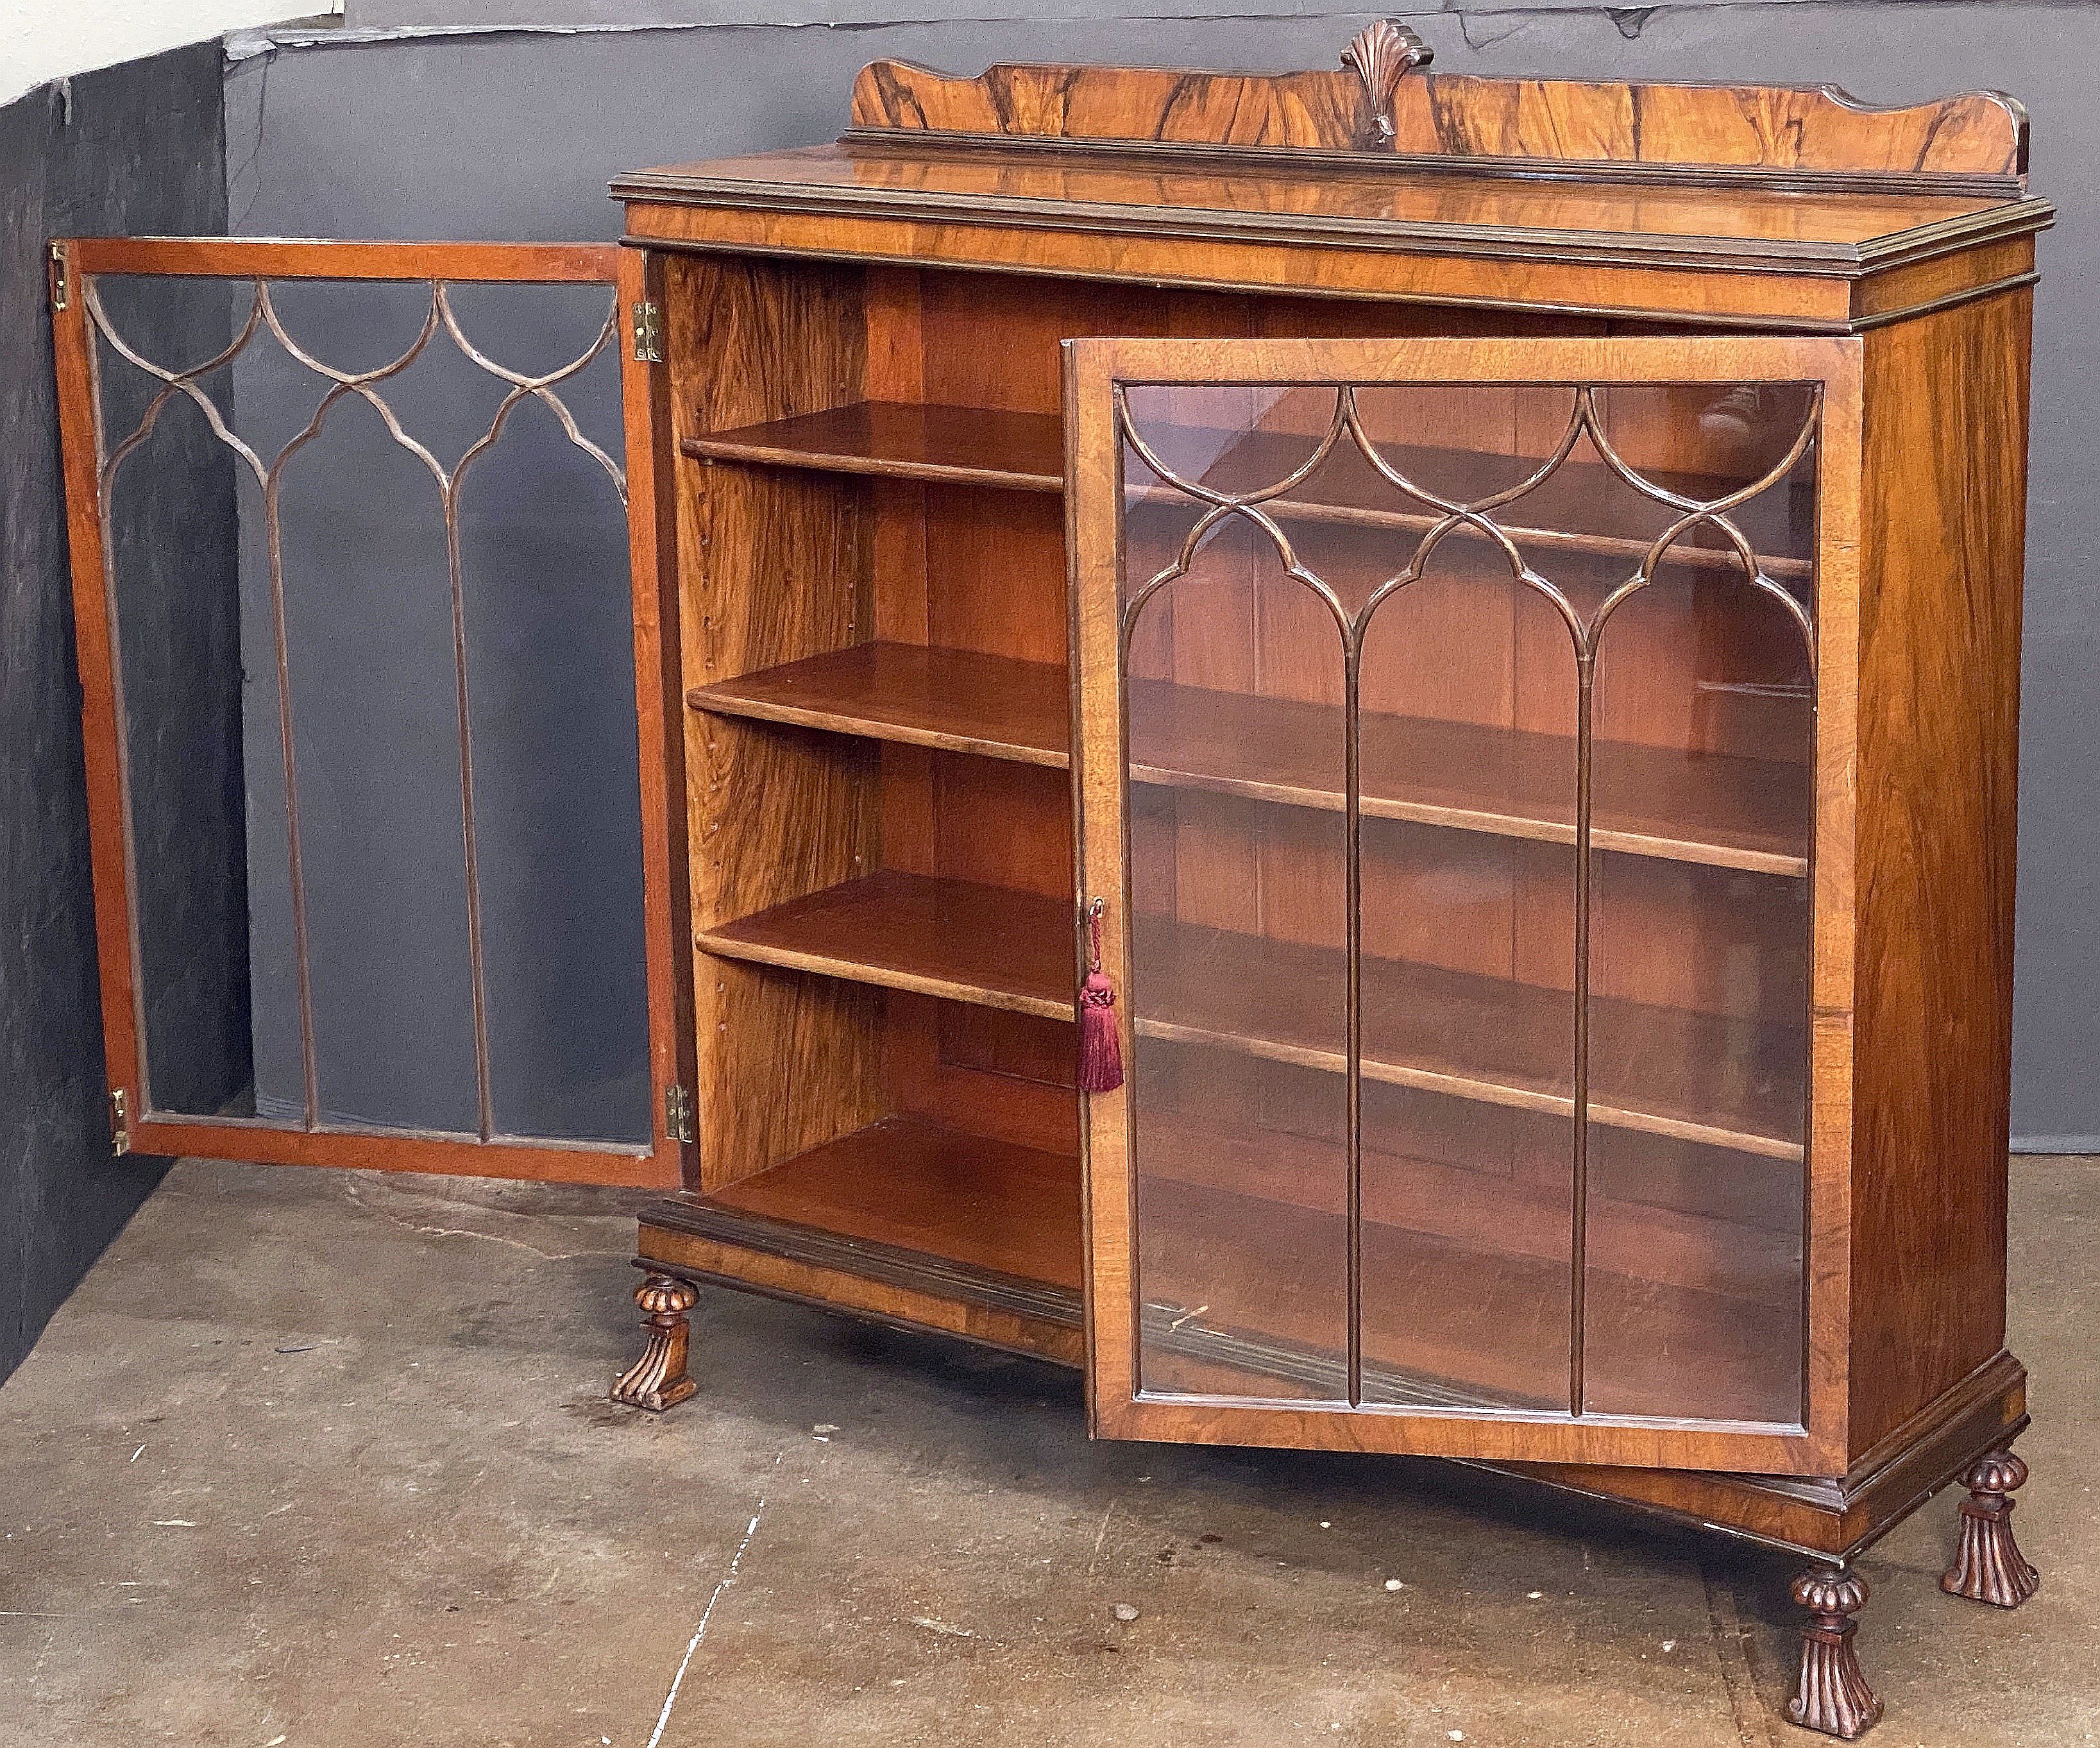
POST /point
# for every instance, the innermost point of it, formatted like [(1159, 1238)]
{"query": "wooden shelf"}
[(1712, 809), (1485, 1039), (991, 705), (920, 1212), (936, 1191), (912, 1222), (952, 938), (1709, 808), (1021, 451), (1668, 1071), (1242, 1290), (1482, 1209), (1025, 452)]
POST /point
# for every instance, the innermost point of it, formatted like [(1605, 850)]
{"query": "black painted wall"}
[(140, 148)]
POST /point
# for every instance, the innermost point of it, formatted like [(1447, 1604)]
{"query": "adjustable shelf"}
[(1507, 1216), (1487, 1040), (954, 700), (1436, 1308), (1717, 809), (956, 939), (1023, 452)]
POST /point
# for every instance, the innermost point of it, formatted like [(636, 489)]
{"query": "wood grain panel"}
[(1703, 293), (772, 812), (1942, 526), (1446, 115), (940, 1304), (1005, 1075)]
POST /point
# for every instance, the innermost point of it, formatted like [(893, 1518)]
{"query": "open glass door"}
[(369, 606), (1450, 732)]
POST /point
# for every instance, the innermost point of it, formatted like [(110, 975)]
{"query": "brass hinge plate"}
[(678, 1114), (119, 1120), (649, 333), (61, 277)]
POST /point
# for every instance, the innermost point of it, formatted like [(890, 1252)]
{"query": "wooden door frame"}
[(660, 1163), (1116, 1406)]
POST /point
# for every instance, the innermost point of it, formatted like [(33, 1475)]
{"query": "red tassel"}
[(1100, 1046)]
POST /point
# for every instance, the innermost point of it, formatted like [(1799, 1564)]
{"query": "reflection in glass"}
[(333, 927), (1239, 922), (1469, 735)]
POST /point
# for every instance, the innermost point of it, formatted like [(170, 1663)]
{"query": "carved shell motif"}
[(1382, 53)]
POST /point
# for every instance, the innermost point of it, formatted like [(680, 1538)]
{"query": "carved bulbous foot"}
[(658, 1380), (1834, 1696), (1988, 1566)]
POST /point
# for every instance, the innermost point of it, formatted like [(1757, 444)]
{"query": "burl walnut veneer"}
[(1504, 596)]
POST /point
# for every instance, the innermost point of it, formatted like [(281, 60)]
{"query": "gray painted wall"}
[(140, 148), (506, 132)]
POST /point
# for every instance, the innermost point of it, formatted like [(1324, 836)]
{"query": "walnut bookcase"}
[(1522, 643)]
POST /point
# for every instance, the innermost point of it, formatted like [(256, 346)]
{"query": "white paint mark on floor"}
[(1101, 1535), (706, 1614), (359, 1202)]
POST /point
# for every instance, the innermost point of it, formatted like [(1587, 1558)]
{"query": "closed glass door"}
[(1449, 732)]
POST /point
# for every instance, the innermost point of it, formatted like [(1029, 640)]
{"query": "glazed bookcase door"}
[(304, 958), (1452, 717)]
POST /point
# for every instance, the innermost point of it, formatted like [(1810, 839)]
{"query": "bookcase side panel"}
[(773, 566), (1942, 534)]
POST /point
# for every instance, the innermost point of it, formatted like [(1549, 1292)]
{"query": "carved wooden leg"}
[(1834, 1696), (1988, 1566), (658, 1380)]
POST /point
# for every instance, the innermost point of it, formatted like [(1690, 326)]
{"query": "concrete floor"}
[(316, 1458)]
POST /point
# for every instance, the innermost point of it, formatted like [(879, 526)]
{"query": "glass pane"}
[(172, 507), (1471, 546), (1468, 692), (1238, 990), (1698, 1018), (358, 528)]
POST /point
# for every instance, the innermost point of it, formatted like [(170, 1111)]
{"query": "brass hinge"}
[(649, 333), (678, 1114), (119, 1120), (61, 280)]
